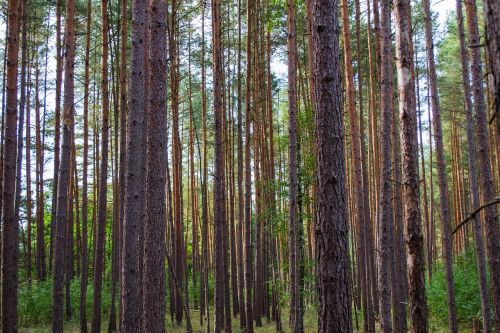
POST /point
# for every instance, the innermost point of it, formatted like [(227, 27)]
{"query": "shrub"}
[(466, 289), (35, 302)]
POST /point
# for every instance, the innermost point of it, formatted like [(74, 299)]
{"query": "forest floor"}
[(310, 325)]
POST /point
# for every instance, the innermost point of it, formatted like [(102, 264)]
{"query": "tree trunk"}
[(334, 310), (219, 178), (411, 193), (40, 208), (69, 241), (492, 15), (295, 313), (483, 156), (103, 176), (241, 207), (135, 178), (385, 218), (64, 171), (10, 251), (154, 231), (57, 127), (123, 142), (24, 110), (85, 260), (204, 310), (472, 171), (248, 171), (447, 241)]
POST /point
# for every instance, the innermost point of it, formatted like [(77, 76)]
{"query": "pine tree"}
[(334, 310)]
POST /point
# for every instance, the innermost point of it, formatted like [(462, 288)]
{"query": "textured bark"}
[(10, 225), (248, 171), (64, 171), (135, 176), (69, 240), (473, 175), (373, 143), (123, 139), (192, 182), (232, 285), (204, 195), (409, 145), (57, 127), (41, 269), (219, 178), (483, 158), (359, 199), (492, 16), (385, 218), (154, 230), (26, 66), (369, 322), (447, 241), (400, 296), (427, 210), (115, 228), (295, 312), (334, 310), (179, 258), (241, 206), (228, 235), (103, 176), (85, 259)]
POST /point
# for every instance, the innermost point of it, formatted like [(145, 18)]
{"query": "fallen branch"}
[(473, 213)]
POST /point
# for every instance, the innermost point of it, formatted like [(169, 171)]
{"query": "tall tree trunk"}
[(295, 313), (483, 156), (154, 230), (41, 269), (219, 178), (472, 171), (401, 294), (248, 171), (369, 322), (69, 241), (427, 210), (204, 188), (57, 127), (135, 176), (103, 176), (373, 153), (85, 260), (411, 193), (241, 207), (447, 241), (24, 105), (192, 180), (385, 218), (176, 161), (492, 15), (115, 229), (64, 171), (334, 311), (123, 139), (10, 227)]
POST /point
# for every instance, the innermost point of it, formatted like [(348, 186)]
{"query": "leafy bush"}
[(466, 288), (35, 301)]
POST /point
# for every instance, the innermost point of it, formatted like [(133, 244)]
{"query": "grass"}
[(267, 327)]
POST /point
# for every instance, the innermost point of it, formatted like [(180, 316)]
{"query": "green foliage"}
[(466, 288), (35, 302)]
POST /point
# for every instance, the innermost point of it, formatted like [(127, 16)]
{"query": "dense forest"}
[(250, 166)]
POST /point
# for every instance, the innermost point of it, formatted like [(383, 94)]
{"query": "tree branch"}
[(473, 213)]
